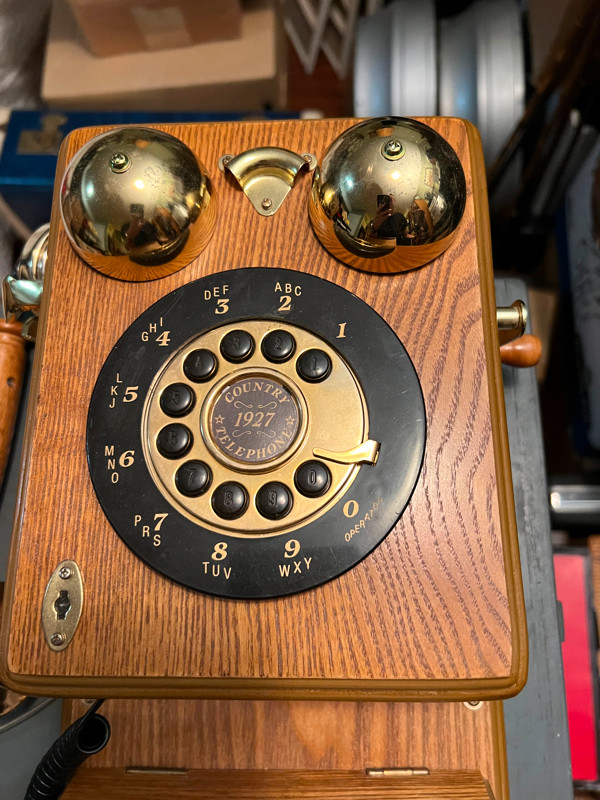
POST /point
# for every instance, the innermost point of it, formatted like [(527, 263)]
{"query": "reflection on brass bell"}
[(137, 204), (389, 195)]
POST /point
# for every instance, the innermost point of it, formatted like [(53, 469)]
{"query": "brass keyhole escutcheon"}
[(62, 605)]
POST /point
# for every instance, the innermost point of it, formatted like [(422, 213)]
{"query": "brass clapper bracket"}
[(266, 174)]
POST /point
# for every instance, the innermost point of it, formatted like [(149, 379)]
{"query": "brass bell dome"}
[(137, 204), (388, 196)]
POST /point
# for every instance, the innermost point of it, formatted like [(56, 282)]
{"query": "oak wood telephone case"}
[(266, 452)]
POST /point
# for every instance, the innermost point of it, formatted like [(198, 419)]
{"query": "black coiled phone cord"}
[(87, 735)]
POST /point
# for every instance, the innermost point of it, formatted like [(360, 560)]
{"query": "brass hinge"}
[(156, 771), (396, 772)]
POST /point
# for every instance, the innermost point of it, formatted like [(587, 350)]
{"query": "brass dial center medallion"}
[(238, 432), (254, 419)]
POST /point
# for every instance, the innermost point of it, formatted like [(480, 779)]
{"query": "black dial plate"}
[(257, 566)]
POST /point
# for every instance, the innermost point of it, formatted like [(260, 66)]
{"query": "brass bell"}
[(137, 204), (389, 195)]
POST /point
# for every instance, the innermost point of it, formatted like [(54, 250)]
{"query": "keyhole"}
[(62, 604)]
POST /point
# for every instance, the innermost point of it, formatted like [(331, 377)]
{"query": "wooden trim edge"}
[(506, 502), (7, 606)]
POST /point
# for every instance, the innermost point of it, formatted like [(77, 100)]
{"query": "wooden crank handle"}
[(12, 371), (525, 351)]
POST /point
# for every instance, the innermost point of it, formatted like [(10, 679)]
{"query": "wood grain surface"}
[(300, 735), (285, 785), (436, 611)]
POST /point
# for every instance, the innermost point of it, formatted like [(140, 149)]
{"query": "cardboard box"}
[(244, 74), (111, 27)]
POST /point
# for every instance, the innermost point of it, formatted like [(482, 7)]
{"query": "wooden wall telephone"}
[(261, 463)]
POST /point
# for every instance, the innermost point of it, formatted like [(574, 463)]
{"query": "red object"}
[(572, 589)]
